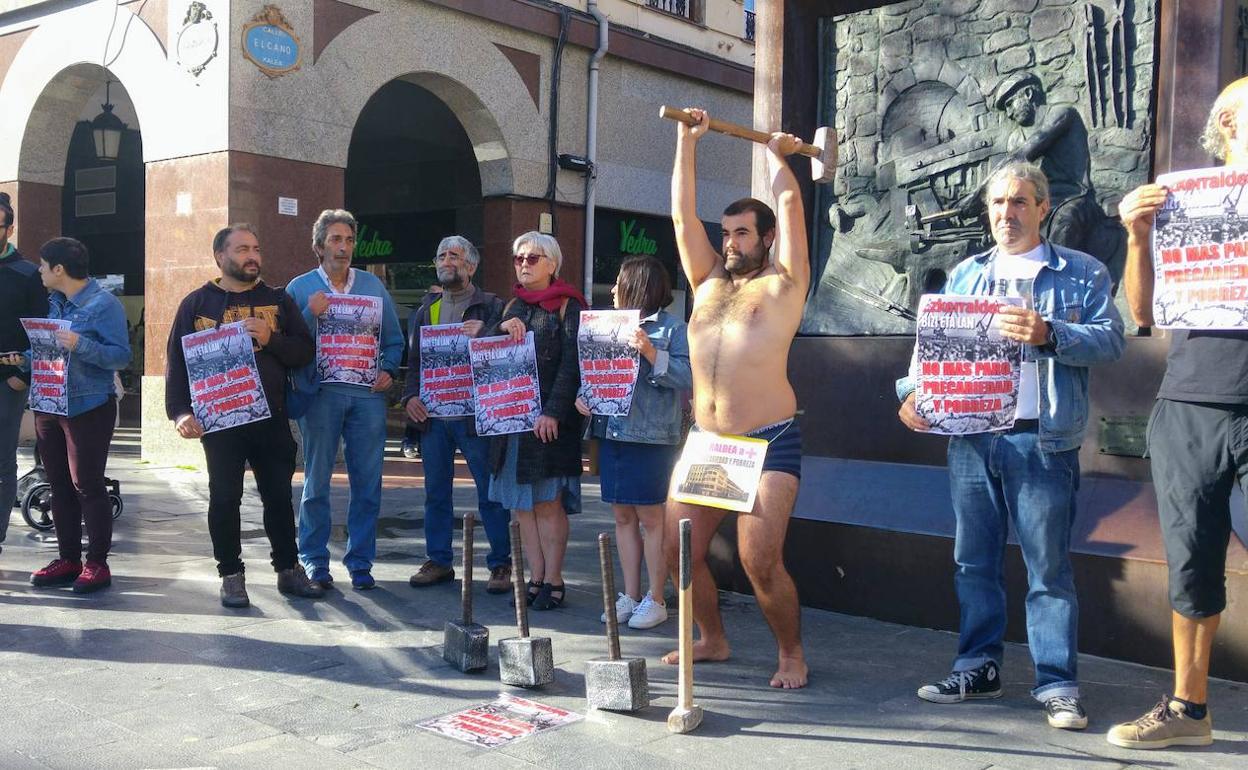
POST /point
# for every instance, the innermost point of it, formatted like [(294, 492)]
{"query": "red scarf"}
[(550, 298)]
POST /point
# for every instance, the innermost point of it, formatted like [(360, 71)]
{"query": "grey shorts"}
[(1198, 452)]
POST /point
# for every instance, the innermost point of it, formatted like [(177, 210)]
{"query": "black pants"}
[(270, 450), (74, 452)]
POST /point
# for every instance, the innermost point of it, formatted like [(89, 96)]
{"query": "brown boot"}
[(234, 591), (500, 580), (295, 582), (430, 574)]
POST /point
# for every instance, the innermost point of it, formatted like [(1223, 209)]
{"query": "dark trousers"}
[(270, 450), (74, 451)]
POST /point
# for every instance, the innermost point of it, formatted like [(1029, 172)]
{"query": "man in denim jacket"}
[(1028, 474)]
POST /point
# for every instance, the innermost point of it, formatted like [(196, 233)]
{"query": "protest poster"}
[(49, 366), (225, 382), (967, 372), (608, 364), (445, 371), (719, 471), (348, 340), (1200, 251), (504, 384), (500, 722)]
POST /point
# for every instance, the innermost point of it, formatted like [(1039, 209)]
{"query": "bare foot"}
[(702, 650), (791, 674)]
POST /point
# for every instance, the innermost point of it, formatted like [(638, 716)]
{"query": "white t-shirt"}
[(1014, 275)]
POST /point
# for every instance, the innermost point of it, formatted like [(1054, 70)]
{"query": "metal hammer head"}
[(683, 720), (526, 661), (823, 166), (466, 646), (617, 684)]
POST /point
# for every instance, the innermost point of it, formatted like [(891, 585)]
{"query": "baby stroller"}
[(34, 495)]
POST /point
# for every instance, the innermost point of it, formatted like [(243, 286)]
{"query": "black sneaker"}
[(1065, 713), (978, 683)]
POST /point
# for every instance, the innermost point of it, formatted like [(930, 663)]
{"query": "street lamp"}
[(106, 129)]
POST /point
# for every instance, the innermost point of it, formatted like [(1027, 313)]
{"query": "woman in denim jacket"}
[(74, 447), (638, 450)]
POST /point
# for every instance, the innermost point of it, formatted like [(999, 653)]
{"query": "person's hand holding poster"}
[(224, 379), (609, 365), (1200, 250), (967, 372), (504, 383), (49, 366), (445, 371), (348, 340)]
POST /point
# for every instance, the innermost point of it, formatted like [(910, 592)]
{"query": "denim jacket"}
[(654, 417), (103, 344), (1073, 293)]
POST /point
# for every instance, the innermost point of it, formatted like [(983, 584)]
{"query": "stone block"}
[(934, 27), (990, 8), (466, 646), (984, 27), (1052, 49), (1049, 22), (1006, 38), (963, 47), (896, 44), (1014, 59), (861, 64), (527, 662), (617, 685)]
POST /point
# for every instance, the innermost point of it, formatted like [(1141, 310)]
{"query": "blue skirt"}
[(511, 494), (635, 474)]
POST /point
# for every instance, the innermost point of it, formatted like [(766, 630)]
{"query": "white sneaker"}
[(625, 606), (648, 614)]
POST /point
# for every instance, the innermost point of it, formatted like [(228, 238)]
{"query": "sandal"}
[(547, 599), (535, 589)]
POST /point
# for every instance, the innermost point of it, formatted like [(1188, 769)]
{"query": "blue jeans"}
[(360, 423), (437, 452), (996, 478), (12, 404)]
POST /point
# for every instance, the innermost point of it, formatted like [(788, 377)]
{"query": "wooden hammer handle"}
[(608, 595), (685, 617), (466, 582), (732, 129), (518, 586)]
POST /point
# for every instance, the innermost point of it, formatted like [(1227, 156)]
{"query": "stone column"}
[(508, 217), (38, 209)]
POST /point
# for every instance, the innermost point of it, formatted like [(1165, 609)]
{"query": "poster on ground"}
[(348, 340), (502, 721), (1200, 250), (49, 366), (967, 372), (446, 371), (719, 471), (225, 382), (504, 384), (609, 365)]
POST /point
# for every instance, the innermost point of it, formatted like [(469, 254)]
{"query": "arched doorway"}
[(83, 137), (412, 178)]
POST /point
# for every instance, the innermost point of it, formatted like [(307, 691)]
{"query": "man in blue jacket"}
[(353, 414), (1028, 474)]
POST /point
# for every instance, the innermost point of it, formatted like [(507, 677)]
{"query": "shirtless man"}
[(746, 309)]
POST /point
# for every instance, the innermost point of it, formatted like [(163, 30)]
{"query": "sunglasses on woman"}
[(530, 259)]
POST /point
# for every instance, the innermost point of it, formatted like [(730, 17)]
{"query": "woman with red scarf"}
[(534, 473)]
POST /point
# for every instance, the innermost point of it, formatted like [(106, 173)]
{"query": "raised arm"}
[(1137, 211), (697, 256), (792, 254)]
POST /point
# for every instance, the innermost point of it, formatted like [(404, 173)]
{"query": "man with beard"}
[(338, 412), (21, 296), (460, 302), (281, 342), (1198, 442), (746, 309)]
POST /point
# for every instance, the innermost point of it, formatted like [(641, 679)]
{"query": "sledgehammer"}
[(466, 645), (614, 683), (523, 661), (686, 716), (822, 151)]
